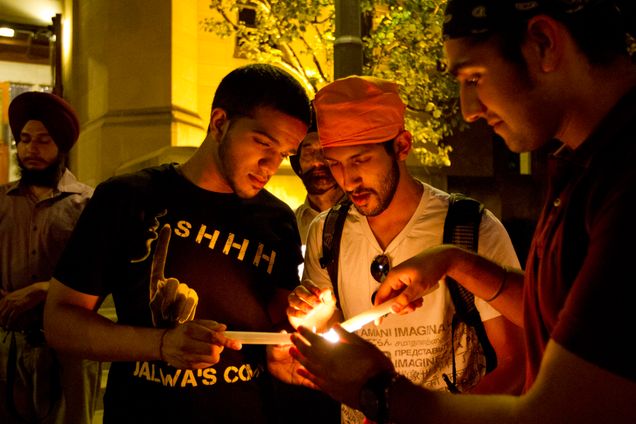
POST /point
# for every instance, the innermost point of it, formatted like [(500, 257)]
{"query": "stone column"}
[(133, 80)]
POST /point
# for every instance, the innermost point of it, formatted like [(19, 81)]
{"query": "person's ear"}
[(218, 121), (545, 43), (402, 145)]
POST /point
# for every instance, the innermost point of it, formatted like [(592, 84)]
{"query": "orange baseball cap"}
[(358, 110)]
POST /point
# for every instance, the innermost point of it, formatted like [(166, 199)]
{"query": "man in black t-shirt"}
[(183, 249)]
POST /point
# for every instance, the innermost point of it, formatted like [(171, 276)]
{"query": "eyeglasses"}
[(380, 267)]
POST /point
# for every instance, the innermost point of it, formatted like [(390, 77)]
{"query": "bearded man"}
[(37, 215), (322, 190), (394, 216)]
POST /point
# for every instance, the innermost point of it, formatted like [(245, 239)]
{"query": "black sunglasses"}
[(380, 267)]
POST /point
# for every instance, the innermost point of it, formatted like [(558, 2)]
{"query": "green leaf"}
[(404, 44)]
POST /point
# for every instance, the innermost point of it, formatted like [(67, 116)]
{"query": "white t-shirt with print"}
[(419, 343)]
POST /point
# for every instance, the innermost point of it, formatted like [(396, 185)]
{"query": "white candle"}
[(254, 337), (370, 315)]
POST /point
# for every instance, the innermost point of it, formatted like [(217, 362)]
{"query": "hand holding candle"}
[(311, 306)]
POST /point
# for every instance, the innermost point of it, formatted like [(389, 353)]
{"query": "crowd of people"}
[(188, 251), (535, 71)]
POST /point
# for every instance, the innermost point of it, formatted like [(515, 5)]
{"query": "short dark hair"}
[(294, 159), (254, 86), (388, 146)]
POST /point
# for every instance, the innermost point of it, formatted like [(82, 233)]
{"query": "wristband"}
[(501, 287)]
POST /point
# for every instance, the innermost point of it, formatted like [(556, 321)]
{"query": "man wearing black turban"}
[(37, 214), (54, 116)]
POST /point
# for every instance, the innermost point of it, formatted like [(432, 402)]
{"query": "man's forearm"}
[(93, 336), (501, 286), (72, 325)]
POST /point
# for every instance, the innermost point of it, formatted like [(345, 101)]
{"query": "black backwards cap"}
[(466, 18)]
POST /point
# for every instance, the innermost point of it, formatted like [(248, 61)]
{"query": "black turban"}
[(57, 115)]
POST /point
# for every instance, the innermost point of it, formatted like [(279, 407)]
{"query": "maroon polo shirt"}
[(580, 287)]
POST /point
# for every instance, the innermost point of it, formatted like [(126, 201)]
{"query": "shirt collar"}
[(67, 184)]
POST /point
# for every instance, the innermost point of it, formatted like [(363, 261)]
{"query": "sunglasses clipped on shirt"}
[(380, 267)]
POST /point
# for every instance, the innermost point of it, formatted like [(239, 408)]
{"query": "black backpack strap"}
[(462, 229), (331, 235)]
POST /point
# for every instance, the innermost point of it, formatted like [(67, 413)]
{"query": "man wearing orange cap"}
[(37, 215), (361, 129)]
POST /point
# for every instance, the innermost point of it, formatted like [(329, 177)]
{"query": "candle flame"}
[(331, 336)]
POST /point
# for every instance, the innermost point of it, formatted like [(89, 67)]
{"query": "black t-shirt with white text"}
[(235, 253)]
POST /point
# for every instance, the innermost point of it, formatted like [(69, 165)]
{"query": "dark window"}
[(247, 17)]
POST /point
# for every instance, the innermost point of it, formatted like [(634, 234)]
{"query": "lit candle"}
[(262, 338), (358, 321), (370, 315)]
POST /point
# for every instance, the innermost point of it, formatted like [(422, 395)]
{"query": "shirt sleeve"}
[(92, 257)]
